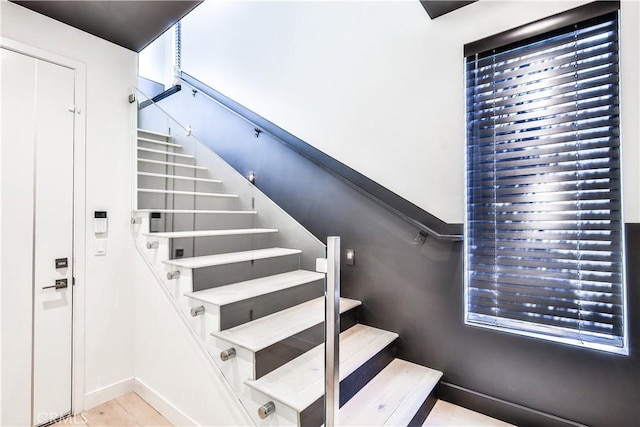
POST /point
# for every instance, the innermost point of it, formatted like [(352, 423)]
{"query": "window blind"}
[(544, 251)]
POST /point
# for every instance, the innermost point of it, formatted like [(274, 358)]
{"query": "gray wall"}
[(417, 290)]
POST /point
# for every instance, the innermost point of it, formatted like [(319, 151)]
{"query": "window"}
[(544, 230)]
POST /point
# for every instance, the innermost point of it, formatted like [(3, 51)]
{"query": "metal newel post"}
[(332, 333)]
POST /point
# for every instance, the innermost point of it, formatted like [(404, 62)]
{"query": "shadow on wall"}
[(416, 289)]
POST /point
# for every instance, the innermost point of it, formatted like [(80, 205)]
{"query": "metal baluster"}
[(332, 333)]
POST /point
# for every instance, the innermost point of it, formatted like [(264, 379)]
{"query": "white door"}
[(53, 241), (49, 136)]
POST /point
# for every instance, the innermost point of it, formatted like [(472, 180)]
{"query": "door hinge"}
[(73, 281)]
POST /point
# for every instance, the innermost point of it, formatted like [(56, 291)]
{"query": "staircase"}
[(242, 273)]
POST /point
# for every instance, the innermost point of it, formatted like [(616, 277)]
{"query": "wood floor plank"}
[(392, 397), (110, 414), (445, 414), (141, 411), (300, 382), (74, 421), (265, 331)]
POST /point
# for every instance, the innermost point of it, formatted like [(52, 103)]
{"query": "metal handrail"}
[(240, 112)]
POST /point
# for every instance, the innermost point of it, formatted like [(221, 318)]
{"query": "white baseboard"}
[(110, 392), (174, 415)]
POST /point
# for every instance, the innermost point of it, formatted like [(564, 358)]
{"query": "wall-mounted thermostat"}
[(100, 222)]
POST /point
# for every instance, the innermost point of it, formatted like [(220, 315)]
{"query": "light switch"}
[(351, 257), (101, 247)]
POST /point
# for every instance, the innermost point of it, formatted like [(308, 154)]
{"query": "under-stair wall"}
[(416, 289), (172, 373)]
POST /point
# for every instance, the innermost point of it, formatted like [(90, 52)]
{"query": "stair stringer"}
[(185, 376), (151, 316), (174, 291), (232, 378)]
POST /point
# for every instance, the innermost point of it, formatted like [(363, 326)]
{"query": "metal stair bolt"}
[(267, 409), (153, 245), (173, 275), (197, 311), (227, 354)]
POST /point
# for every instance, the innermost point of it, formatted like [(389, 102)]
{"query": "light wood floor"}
[(126, 411), (131, 411), (445, 414)]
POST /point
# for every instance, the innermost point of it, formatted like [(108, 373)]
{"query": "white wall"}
[(377, 85), (170, 364), (156, 60), (133, 336), (109, 286)]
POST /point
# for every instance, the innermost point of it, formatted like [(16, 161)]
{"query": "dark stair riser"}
[(163, 183), (247, 310), (314, 414), (425, 409), (183, 201), (168, 222), (276, 355), (214, 245), (213, 277)]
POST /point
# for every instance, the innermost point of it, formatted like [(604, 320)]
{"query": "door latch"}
[(60, 284)]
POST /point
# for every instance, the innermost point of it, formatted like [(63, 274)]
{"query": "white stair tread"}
[(167, 153), (151, 132), (211, 233), (186, 178), (300, 382), (185, 193), (241, 291), (155, 141), (268, 330), (392, 397), (197, 211), (181, 165), (231, 257)]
